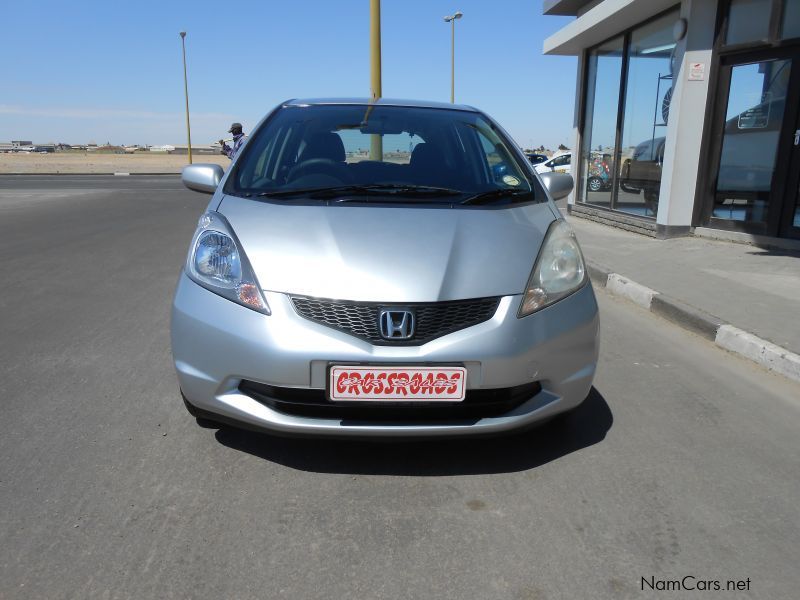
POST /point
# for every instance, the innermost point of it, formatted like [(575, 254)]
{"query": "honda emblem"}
[(396, 324)]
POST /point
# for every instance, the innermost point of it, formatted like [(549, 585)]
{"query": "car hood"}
[(388, 253)]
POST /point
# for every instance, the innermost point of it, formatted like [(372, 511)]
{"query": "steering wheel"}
[(319, 166)]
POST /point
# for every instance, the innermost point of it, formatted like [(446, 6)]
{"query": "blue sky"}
[(106, 71)]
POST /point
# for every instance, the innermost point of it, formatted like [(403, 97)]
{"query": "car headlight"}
[(217, 262), (559, 270)]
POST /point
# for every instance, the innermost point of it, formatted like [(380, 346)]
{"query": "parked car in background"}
[(411, 293), (642, 172), (560, 163), (535, 158), (599, 172)]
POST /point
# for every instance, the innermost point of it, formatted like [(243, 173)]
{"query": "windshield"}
[(428, 154)]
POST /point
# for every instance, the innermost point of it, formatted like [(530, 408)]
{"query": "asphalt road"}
[(684, 460)]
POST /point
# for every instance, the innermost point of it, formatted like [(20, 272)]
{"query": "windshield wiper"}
[(375, 189), (299, 191), (494, 195)]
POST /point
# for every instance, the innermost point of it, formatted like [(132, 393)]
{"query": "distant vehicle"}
[(536, 159), (164, 148), (560, 163), (642, 172), (599, 173)]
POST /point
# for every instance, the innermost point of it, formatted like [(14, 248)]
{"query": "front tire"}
[(595, 184)]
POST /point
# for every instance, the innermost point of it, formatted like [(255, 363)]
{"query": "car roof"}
[(378, 102)]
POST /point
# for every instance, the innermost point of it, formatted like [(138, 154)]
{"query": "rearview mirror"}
[(558, 184), (203, 177)]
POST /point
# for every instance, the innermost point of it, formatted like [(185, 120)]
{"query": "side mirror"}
[(202, 177), (558, 184)]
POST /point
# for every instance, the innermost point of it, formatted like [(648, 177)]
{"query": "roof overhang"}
[(604, 21), (567, 8)]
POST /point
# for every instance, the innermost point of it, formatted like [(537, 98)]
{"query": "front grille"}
[(477, 404), (433, 319)]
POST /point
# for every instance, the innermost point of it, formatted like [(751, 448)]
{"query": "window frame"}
[(773, 39), (511, 153), (623, 88), (723, 55)]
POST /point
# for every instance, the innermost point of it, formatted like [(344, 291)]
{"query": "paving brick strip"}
[(724, 335)]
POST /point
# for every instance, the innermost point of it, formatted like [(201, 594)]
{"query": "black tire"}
[(595, 184)]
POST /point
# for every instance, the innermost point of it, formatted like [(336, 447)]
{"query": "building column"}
[(686, 119), (580, 93)]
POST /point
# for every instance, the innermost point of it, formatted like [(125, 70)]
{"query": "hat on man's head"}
[(235, 126)]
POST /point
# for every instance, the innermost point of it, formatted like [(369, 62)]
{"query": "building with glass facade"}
[(687, 115)]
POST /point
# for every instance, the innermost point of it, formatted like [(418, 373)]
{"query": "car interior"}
[(329, 150)]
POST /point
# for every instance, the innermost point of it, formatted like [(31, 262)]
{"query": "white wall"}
[(687, 116), (576, 131)]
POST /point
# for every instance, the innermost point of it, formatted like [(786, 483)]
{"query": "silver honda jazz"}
[(382, 269)]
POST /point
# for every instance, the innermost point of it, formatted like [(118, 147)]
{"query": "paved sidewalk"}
[(752, 289)]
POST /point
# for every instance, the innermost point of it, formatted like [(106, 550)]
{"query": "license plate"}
[(397, 384)]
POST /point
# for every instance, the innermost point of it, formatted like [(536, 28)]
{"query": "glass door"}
[(750, 138), (756, 162)]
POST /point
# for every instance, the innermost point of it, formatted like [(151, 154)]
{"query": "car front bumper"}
[(217, 344)]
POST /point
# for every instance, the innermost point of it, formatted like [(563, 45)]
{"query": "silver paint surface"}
[(389, 253)]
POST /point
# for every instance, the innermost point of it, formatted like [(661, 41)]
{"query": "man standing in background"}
[(238, 140)]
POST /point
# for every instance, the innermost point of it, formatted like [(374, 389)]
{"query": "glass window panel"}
[(599, 135), (397, 148), (647, 102), (753, 121), (748, 21), (791, 19)]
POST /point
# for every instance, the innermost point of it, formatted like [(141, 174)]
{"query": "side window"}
[(492, 157), (356, 145), (271, 153), (397, 147), (500, 164), (561, 161), (263, 160)]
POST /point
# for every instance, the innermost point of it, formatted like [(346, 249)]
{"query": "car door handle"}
[(797, 138)]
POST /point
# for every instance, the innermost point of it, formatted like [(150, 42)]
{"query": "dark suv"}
[(642, 172)]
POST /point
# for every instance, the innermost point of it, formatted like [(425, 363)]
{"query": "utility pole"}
[(186, 93), (376, 141)]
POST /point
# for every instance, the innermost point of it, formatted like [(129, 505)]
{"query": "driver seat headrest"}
[(324, 144)]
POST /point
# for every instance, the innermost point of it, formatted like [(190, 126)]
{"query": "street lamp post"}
[(376, 141), (452, 20), (186, 93)]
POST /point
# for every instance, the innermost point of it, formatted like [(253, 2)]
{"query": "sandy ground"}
[(102, 163)]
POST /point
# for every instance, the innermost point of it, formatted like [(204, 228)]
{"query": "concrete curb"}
[(724, 335)]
